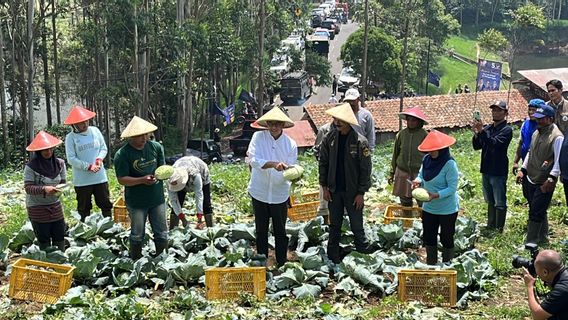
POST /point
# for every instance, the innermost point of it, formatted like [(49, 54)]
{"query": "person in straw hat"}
[(42, 175), (345, 176), (270, 152), (135, 163), (406, 159), (190, 173), (86, 149), (439, 176)]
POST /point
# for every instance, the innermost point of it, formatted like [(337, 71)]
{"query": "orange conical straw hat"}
[(436, 140), (414, 112), (79, 114), (42, 141)]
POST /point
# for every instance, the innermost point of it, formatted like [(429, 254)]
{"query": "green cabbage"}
[(293, 173), (164, 172), (420, 194)]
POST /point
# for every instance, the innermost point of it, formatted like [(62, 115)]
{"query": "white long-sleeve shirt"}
[(269, 185), (366, 126)]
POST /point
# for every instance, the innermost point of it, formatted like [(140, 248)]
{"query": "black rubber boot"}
[(160, 246), (135, 251), (491, 216), (534, 230), (501, 216), (60, 245), (43, 245), (447, 254), (431, 255), (209, 220), (543, 236)]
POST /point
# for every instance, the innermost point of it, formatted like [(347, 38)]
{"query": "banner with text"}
[(488, 75)]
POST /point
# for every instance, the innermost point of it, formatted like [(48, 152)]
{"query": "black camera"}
[(519, 261)]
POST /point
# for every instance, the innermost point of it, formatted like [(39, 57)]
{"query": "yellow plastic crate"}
[(405, 214), (228, 283), (431, 287), (120, 214), (305, 197), (39, 281), (303, 211)]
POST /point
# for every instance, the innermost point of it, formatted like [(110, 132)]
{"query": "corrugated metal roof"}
[(542, 76), (302, 133)]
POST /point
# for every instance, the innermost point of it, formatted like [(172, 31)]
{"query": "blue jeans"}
[(157, 217), (495, 190)]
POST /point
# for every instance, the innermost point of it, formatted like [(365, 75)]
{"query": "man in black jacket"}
[(345, 176), (493, 140)]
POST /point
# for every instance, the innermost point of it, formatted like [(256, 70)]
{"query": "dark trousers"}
[(278, 212), (207, 209), (445, 223), (538, 201), (340, 203), (565, 183), (102, 199), (48, 233)]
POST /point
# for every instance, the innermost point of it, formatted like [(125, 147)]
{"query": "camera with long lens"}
[(519, 261)]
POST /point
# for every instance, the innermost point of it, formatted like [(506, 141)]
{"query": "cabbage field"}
[(109, 285)]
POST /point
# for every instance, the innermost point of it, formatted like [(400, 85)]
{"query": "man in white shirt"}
[(269, 153), (366, 126)]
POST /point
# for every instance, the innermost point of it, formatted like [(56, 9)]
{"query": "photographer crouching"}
[(548, 266)]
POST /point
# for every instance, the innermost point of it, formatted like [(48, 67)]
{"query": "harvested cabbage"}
[(164, 172), (420, 194), (293, 173)]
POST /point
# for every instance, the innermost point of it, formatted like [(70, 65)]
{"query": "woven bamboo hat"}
[(79, 114), (42, 141), (178, 179), (344, 113), (136, 127), (275, 114), (436, 140)]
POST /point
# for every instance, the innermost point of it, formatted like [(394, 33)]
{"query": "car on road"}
[(318, 44), (347, 79), (331, 25), (324, 32), (294, 86)]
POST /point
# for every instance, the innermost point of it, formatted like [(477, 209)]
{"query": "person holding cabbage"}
[(135, 165), (270, 152), (437, 186), (190, 174)]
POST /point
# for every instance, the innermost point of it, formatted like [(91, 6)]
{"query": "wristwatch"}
[(551, 180)]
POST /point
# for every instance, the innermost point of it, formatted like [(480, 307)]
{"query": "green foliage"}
[(383, 56), (318, 66), (492, 40)]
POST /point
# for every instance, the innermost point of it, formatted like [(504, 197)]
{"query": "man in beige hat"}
[(345, 176), (270, 152), (135, 163)]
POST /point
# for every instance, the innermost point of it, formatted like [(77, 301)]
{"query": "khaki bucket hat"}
[(275, 114), (136, 127), (344, 113)]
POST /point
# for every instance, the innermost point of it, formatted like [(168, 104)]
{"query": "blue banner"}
[(488, 75), (228, 113), (433, 78)]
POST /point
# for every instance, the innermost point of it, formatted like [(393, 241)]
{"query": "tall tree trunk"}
[(135, 63), (260, 94), (365, 50), (31, 70), (45, 61), (106, 102), (477, 10), (3, 107), (404, 59), (495, 5), (55, 61), (144, 72), (559, 9)]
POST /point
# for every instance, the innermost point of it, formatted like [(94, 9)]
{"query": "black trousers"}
[(102, 199), (565, 183), (341, 202), (49, 233), (278, 212), (445, 223), (538, 201), (207, 208)]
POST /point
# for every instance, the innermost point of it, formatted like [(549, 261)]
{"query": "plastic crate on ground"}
[(431, 287), (303, 211), (304, 197), (120, 214), (405, 214), (39, 281), (228, 283)]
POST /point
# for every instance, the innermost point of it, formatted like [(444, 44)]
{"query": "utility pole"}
[(31, 70), (260, 94), (365, 50)]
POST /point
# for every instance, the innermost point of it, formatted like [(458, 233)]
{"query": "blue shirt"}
[(527, 129), (446, 185), (82, 149)]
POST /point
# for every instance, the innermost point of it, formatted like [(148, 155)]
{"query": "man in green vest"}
[(540, 171)]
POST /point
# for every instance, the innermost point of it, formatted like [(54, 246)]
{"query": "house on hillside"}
[(536, 80), (445, 112)]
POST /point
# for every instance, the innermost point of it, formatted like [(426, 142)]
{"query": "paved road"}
[(323, 93)]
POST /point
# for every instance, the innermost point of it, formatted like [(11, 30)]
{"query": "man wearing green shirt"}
[(135, 164)]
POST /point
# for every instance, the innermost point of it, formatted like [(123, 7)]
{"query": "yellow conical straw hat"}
[(275, 114), (136, 127), (344, 113)]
